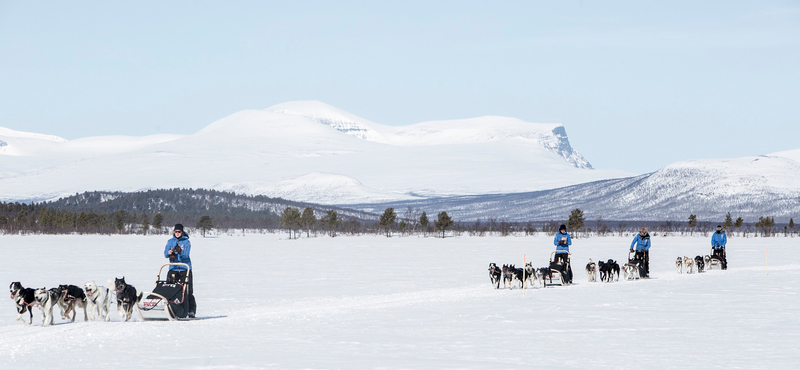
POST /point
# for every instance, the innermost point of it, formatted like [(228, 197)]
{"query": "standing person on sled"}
[(562, 241), (718, 241), (641, 245), (177, 250)]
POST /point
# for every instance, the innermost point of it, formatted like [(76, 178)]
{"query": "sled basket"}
[(167, 301)]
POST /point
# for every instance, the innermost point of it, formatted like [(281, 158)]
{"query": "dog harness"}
[(98, 296)]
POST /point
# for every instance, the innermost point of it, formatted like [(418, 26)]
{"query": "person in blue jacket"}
[(178, 250), (641, 246), (718, 241), (562, 241)]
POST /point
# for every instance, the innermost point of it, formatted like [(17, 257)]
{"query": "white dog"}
[(688, 264), (98, 299), (47, 300), (679, 265)]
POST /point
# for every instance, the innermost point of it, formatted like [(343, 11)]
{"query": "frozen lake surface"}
[(372, 302)]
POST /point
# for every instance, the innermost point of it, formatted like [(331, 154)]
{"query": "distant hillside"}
[(188, 205), (748, 187)]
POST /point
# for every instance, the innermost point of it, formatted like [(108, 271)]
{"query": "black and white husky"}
[(530, 275), (24, 299), (47, 300), (698, 261), (679, 265), (98, 300), (72, 298), (495, 274), (591, 271), (126, 298)]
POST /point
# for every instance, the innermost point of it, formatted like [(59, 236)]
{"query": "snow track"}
[(413, 303)]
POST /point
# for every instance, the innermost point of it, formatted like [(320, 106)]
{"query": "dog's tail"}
[(139, 297)]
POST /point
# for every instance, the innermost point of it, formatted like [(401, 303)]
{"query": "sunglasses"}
[(177, 231)]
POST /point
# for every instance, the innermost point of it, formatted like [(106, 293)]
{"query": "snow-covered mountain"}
[(304, 151), (748, 187)]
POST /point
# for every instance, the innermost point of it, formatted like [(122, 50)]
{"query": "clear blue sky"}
[(637, 84)]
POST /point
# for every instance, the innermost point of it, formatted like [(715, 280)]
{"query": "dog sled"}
[(633, 268), (715, 259), (167, 301), (558, 272)]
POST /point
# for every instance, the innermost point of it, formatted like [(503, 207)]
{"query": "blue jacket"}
[(641, 243), (719, 239), (562, 248), (183, 257)]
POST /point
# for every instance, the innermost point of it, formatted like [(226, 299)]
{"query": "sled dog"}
[(679, 265), (72, 297), (47, 300), (494, 275), (698, 261), (126, 298), (24, 299), (98, 300), (591, 271), (688, 264)]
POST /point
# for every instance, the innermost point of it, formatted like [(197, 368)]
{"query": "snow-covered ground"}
[(419, 303)]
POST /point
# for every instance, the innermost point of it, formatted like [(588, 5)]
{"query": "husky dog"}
[(516, 275), (530, 275), (698, 261), (72, 297), (591, 271), (614, 266), (679, 265), (98, 300), (24, 299), (688, 264), (494, 275), (604, 270), (126, 298), (508, 275), (47, 300)]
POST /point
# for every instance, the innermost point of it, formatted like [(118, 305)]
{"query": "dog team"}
[(94, 300), (637, 267)]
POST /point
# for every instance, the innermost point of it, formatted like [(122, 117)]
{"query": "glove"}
[(631, 249), (177, 249)]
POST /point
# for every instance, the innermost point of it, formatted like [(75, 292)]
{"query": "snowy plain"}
[(372, 302)]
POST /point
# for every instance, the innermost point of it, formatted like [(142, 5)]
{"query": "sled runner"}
[(558, 271), (167, 301)]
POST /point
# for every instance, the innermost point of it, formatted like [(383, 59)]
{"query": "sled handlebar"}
[(158, 277)]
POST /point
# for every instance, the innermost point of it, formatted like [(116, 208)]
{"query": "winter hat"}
[(178, 227), (719, 227), (562, 227)]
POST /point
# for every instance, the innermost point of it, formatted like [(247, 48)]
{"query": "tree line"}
[(46, 219)]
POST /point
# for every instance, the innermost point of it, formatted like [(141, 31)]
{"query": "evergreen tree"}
[(423, 221), (145, 224), (204, 224), (738, 223), (158, 221), (331, 220), (308, 220), (443, 222), (728, 221), (692, 223), (576, 219), (387, 220), (791, 225), (290, 219), (402, 227)]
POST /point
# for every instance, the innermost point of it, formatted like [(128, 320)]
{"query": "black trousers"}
[(561, 258), (644, 258), (720, 253), (180, 277)]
